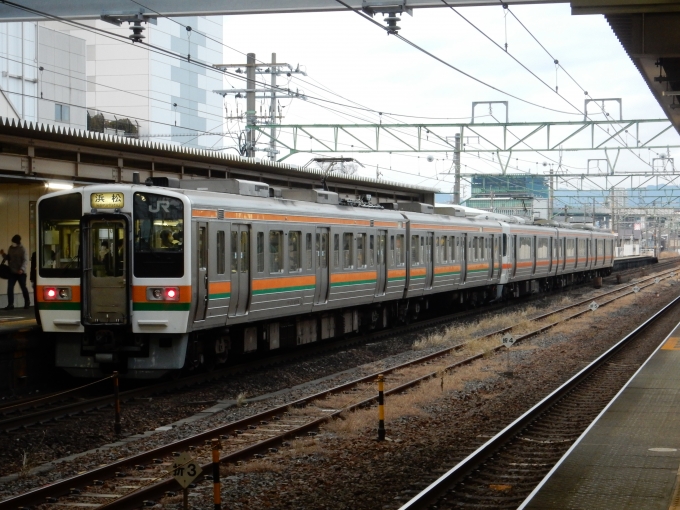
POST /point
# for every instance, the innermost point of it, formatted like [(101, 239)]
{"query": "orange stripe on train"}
[(139, 293)]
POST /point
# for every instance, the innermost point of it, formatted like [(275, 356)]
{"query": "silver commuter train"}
[(151, 278)]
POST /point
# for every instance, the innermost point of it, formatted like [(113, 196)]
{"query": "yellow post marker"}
[(217, 491), (381, 407), (116, 404)]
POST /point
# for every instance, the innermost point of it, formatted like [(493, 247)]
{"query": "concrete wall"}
[(15, 202)]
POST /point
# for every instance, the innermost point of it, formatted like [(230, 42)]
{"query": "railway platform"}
[(629, 457), (26, 358), (623, 263)]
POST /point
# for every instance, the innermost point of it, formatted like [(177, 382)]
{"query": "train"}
[(168, 275)]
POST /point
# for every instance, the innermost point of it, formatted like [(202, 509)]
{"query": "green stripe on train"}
[(357, 282), (222, 295), (58, 306), (283, 289), (161, 307)]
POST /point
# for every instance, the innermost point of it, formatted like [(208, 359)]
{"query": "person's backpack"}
[(5, 271)]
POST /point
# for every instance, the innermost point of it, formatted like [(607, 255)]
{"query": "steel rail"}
[(431, 494), (63, 487), (53, 414)]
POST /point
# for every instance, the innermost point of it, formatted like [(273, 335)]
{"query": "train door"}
[(429, 260), (534, 251), (219, 285), (491, 256), (239, 260), (201, 270), (513, 250), (381, 264), (322, 266), (551, 254), (463, 257), (106, 291)]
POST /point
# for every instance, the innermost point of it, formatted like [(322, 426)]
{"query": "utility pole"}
[(456, 163), (252, 93), (250, 105), (272, 112), (550, 196)]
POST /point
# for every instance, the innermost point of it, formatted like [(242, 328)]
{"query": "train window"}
[(415, 251), (440, 252), (158, 228), (371, 250), (245, 251), (505, 245), (452, 253), (475, 249), (347, 251), (221, 252), (400, 250), (361, 250), (233, 251), (570, 248), (260, 252), (422, 249), (323, 257), (542, 248), (336, 250), (524, 248), (392, 261), (275, 251), (294, 251), (308, 249)]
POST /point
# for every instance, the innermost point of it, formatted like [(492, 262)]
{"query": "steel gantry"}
[(496, 137)]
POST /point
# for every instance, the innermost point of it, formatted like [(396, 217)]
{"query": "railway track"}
[(49, 409), (502, 473), (130, 482)]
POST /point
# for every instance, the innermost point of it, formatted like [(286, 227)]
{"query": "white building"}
[(54, 95), (165, 98)]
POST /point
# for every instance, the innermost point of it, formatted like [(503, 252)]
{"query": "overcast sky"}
[(358, 61)]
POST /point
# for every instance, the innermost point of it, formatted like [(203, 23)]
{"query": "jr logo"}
[(160, 204)]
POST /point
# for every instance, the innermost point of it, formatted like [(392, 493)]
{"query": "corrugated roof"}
[(16, 127)]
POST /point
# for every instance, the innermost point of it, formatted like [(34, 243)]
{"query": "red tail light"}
[(50, 294)]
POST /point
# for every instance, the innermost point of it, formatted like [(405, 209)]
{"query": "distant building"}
[(144, 93), (514, 195), (55, 95)]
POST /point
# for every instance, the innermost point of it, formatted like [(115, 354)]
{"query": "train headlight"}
[(162, 294), (57, 293)]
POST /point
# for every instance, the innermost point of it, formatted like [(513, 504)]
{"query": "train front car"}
[(111, 278)]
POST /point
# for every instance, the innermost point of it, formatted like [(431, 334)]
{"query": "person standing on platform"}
[(17, 258)]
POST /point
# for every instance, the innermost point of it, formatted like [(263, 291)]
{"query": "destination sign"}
[(107, 200)]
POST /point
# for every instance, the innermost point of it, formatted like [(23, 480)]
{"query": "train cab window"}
[(347, 251), (294, 251), (361, 250), (59, 239), (308, 250), (158, 228), (415, 250), (221, 252), (275, 251), (371, 250), (400, 250), (260, 252), (336, 250)]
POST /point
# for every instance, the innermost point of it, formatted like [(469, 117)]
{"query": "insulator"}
[(137, 30)]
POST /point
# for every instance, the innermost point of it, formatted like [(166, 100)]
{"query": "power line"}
[(449, 65)]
